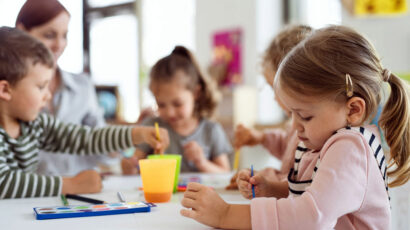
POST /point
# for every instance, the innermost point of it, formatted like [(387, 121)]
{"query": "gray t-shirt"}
[(209, 135)]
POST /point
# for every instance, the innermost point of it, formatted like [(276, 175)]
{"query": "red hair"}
[(38, 12)]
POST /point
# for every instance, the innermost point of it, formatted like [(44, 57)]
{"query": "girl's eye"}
[(306, 118), (49, 35)]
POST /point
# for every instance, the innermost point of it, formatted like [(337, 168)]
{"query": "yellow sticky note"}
[(380, 7)]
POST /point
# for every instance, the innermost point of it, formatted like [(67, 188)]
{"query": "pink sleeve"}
[(276, 141), (338, 188)]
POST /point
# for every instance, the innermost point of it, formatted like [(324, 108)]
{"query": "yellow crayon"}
[(236, 160), (157, 130)]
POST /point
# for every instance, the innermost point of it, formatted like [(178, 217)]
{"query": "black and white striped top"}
[(297, 188), (18, 157)]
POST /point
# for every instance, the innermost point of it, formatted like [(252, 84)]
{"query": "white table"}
[(18, 213)]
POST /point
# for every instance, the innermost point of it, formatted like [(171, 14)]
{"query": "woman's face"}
[(53, 33)]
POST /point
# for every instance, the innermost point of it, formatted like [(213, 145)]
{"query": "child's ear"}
[(5, 90), (356, 109)]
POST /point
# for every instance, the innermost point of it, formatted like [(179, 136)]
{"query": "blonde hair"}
[(181, 59), (283, 42), (318, 66)]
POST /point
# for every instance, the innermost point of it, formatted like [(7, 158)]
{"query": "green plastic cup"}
[(177, 169)]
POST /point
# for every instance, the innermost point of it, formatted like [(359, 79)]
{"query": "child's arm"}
[(14, 183), (85, 140), (206, 206), (194, 153)]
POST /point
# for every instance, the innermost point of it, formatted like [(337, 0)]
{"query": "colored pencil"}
[(253, 186), (64, 200), (157, 131), (236, 160), (85, 199)]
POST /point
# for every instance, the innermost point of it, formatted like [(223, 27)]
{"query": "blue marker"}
[(253, 186)]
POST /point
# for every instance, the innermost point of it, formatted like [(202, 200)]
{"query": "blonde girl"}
[(331, 83)]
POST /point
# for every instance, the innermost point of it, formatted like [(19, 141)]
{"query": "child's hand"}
[(204, 205), (88, 181), (194, 153), (129, 165), (242, 180), (149, 136), (245, 136), (233, 185), (245, 182)]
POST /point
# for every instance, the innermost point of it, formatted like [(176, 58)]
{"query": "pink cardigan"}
[(348, 191)]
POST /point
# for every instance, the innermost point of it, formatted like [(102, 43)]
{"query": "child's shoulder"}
[(206, 123), (363, 138)]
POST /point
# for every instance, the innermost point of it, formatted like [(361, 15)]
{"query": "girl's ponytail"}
[(395, 122)]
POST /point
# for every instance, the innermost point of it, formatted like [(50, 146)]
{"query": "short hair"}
[(284, 42), (17, 51)]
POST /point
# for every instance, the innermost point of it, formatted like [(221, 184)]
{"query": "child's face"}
[(31, 93), (175, 102), (53, 34), (314, 119)]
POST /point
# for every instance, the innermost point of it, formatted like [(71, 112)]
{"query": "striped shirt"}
[(18, 157)]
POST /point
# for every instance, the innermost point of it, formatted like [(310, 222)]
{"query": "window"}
[(165, 24), (111, 50)]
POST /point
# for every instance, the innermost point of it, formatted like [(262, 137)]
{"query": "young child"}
[(26, 68), (185, 102), (274, 140), (331, 84)]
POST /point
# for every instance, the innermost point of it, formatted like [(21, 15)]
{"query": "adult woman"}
[(74, 99)]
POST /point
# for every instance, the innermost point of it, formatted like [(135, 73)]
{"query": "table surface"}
[(18, 213)]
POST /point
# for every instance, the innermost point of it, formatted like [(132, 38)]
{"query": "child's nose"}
[(47, 95), (170, 111), (296, 125)]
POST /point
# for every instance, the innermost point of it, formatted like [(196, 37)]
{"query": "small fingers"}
[(188, 213), (190, 194), (189, 203)]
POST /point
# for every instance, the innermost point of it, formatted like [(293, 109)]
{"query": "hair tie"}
[(386, 75), (349, 86)]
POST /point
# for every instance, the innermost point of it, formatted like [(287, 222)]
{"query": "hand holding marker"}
[(253, 186)]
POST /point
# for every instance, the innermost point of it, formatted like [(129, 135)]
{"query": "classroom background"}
[(228, 37)]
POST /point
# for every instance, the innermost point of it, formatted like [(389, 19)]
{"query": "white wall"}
[(259, 20), (389, 35)]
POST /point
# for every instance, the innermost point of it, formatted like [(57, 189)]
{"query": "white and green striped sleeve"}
[(14, 183), (83, 140)]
